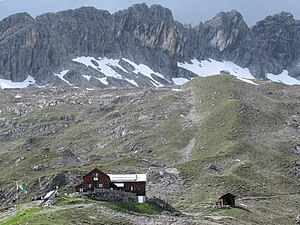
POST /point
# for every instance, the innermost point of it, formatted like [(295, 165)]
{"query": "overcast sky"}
[(185, 11)]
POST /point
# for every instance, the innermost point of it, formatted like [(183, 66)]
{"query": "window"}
[(100, 185), (96, 176), (131, 188), (80, 189), (90, 185)]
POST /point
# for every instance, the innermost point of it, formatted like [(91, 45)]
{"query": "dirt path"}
[(186, 152), (196, 120), (134, 218)]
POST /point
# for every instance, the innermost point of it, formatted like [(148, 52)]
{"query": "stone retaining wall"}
[(113, 195)]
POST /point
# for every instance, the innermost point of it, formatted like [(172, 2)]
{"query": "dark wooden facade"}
[(227, 199), (93, 179), (135, 187), (98, 179)]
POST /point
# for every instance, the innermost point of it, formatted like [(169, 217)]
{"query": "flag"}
[(20, 186)]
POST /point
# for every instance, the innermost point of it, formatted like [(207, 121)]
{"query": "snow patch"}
[(6, 84), (146, 71), (104, 65), (283, 78), (61, 76), (247, 81), (132, 82), (87, 77), (102, 80), (143, 69), (244, 205), (210, 67), (177, 90), (179, 80), (156, 84)]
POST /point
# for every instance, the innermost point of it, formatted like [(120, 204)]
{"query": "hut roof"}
[(128, 177), (227, 194)]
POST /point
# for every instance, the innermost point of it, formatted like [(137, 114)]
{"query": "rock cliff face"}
[(279, 37), (141, 35)]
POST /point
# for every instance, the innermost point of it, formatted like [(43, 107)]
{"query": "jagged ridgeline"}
[(142, 46)]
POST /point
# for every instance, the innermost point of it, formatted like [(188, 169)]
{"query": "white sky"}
[(185, 11)]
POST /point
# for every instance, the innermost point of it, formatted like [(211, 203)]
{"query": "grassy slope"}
[(242, 129), (76, 214), (239, 120)]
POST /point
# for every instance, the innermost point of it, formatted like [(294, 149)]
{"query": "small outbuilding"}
[(227, 199)]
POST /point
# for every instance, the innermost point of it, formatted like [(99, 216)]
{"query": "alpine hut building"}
[(96, 179)]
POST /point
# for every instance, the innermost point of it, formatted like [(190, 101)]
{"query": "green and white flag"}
[(20, 186)]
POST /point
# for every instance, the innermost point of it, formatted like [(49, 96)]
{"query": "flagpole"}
[(17, 196), (18, 187)]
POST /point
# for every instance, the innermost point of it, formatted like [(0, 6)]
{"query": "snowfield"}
[(211, 67), (107, 67), (283, 78), (179, 81), (5, 84), (104, 65), (111, 68), (143, 69), (201, 68)]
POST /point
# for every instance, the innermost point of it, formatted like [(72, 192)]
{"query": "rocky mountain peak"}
[(139, 7), (225, 29), (161, 13), (49, 44), (279, 35), (13, 23), (279, 18), (17, 18), (153, 27), (141, 14), (233, 18)]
